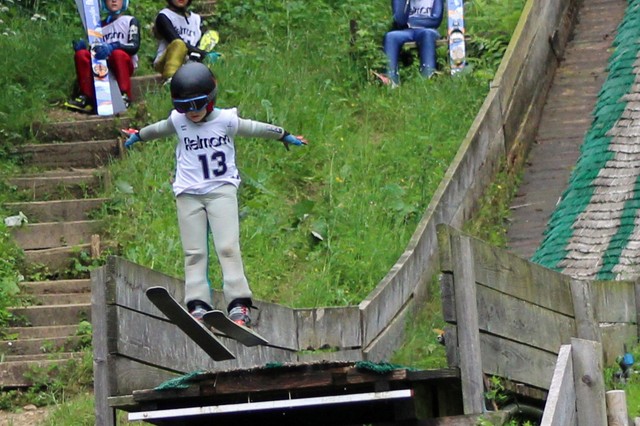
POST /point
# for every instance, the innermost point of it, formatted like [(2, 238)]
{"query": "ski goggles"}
[(192, 104)]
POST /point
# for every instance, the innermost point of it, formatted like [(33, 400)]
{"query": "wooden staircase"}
[(64, 175), (58, 199)]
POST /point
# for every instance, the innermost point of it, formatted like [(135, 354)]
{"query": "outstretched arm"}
[(258, 129)]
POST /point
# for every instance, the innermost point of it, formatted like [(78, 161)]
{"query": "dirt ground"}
[(29, 416)]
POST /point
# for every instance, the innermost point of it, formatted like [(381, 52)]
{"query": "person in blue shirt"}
[(413, 21)]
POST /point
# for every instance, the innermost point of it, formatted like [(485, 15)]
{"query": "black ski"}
[(193, 328)]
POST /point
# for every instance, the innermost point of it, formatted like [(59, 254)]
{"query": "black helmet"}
[(193, 79)]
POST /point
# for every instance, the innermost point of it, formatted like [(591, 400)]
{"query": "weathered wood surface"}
[(560, 408), (588, 367), (526, 312), (569, 100), (468, 332)]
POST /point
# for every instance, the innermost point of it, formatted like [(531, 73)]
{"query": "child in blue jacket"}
[(414, 21)]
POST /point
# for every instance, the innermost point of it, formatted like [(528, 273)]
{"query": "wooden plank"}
[(275, 322), (392, 337), (560, 408), (103, 380), (585, 316), (337, 327), (447, 297), (133, 375), (158, 342), (444, 247), (518, 362), (523, 322), (589, 382), (614, 301), (468, 333), (510, 274), (614, 337)]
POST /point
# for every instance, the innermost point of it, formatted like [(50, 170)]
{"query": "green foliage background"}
[(321, 225)]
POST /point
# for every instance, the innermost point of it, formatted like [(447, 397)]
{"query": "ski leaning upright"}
[(108, 97), (455, 33)]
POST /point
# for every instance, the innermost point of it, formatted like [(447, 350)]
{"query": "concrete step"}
[(46, 345), (60, 298), (56, 287), (40, 332), (59, 184), (51, 315), (59, 260), (84, 154), (56, 211), (55, 234), (14, 368)]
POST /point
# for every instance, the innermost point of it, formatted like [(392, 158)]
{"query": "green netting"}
[(181, 382), (380, 367)]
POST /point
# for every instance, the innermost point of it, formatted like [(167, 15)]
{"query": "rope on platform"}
[(181, 382), (380, 367)]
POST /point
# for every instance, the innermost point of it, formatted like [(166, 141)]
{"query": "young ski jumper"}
[(178, 32), (415, 21), (121, 34), (206, 184)]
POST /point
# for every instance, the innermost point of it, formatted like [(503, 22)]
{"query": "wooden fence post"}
[(617, 414), (468, 329), (587, 326), (589, 382), (105, 415)]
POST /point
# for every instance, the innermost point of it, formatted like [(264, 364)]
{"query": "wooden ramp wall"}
[(509, 317)]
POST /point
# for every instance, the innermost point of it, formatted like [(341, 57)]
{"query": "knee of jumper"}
[(228, 251), (194, 256)]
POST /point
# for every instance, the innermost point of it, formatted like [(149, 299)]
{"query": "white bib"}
[(205, 153)]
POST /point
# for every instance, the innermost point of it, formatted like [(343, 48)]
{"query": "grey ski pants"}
[(217, 211)]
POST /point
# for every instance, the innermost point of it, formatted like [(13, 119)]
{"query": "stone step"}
[(60, 298), (50, 315), (57, 260), (56, 211), (14, 369), (55, 234), (56, 287), (40, 332), (59, 184), (44, 345), (85, 154)]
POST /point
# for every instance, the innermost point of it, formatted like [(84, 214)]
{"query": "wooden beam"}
[(468, 332), (589, 382)]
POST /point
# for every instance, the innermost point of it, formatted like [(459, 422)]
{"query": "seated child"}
[(121, 36), (414, 21), (178, 31)]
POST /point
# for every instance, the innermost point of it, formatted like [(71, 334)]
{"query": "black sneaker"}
[(240, 312), (80, 103), (126, 100)]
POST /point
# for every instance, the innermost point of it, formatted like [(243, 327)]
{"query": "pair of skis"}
[(200, 333), (108, 97)]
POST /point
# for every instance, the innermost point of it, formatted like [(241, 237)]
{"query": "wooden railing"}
[(513, 319)]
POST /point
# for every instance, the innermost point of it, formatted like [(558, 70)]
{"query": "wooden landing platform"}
[(335, 393)]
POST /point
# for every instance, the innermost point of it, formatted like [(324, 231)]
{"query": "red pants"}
[(120, 66)]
